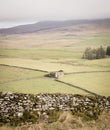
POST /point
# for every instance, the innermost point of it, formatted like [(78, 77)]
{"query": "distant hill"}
[(49, 25)]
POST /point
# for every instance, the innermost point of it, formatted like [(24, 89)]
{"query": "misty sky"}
[(13, 12)]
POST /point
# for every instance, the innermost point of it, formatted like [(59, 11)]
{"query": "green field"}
[(97, 82), (29, 81), (68, 65), (52, 52)]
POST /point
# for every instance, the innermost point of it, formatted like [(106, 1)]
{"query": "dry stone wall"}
[(15, 105)]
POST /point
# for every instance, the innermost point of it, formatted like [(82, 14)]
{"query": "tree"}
[(108, 51), (100, 53), (94, 53), (89, 54)]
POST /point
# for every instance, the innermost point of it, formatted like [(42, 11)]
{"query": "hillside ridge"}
[(49, 25)]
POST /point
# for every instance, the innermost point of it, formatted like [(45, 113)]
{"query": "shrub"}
[(29, 116), (53, 115)]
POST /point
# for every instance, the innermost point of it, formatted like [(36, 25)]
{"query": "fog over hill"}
[(49, 25)]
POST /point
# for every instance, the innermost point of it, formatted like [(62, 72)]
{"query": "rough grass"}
[(50, 45), (68, 38), (67, 121), (95, 40)]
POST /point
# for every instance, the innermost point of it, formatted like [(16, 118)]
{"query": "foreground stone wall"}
[(14, 104)]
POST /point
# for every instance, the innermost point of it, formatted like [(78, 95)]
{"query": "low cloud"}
[(36, 10)]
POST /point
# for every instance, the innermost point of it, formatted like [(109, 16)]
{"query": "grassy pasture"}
[(37, 54), (72, 65), (48, 85), (52, 51), (12, 73), (40, 84), (98, 82), (94, 82), (35, 86)]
